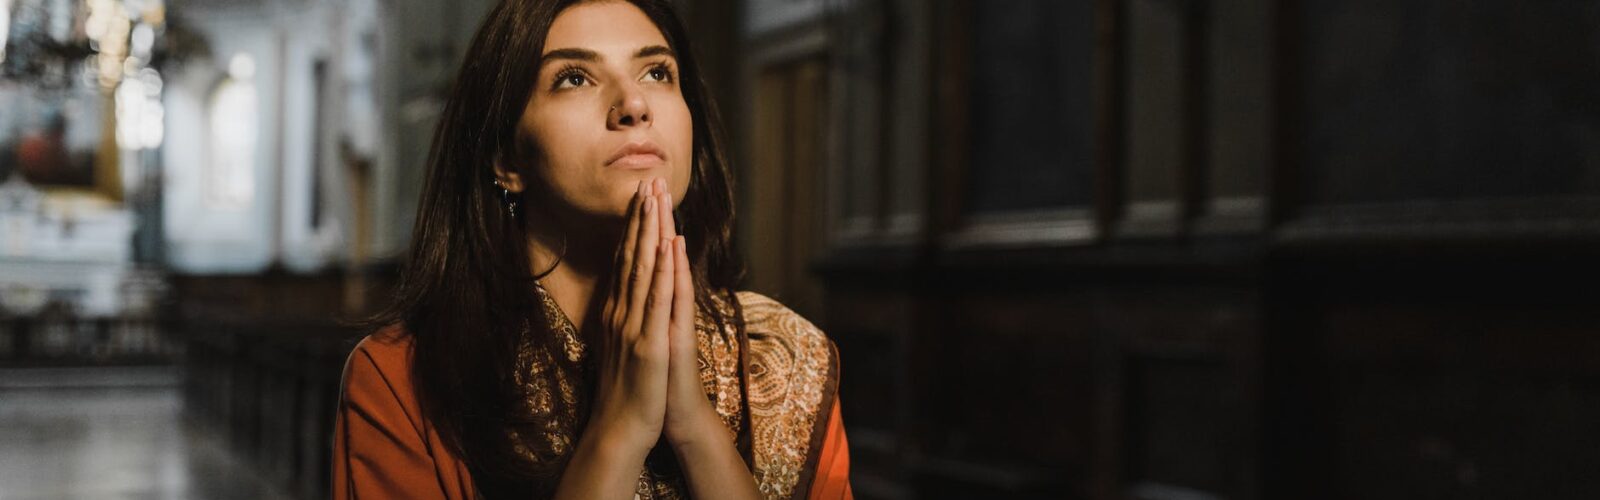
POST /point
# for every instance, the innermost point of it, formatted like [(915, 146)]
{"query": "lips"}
[(637, 155)]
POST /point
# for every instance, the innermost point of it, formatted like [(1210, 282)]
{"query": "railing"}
[(55, 337), (271, 392), (262, 357)]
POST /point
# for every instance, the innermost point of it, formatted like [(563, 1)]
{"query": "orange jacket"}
[(383, 448)]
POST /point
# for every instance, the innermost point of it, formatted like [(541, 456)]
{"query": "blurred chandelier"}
[(49, 43)]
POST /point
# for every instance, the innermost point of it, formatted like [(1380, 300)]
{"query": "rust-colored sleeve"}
[(832, 481), (381, 446)]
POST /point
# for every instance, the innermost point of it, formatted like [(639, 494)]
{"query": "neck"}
[(575, 282)]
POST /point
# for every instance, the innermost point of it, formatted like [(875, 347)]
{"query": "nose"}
[(629, 109)]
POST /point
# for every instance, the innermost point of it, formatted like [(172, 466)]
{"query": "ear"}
[(508, 178)]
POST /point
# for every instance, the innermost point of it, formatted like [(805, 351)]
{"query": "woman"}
[(566, 325)]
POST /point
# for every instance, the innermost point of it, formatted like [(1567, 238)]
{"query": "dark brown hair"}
[(465, 290)]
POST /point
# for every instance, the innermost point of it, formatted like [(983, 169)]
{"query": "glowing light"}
[(99, 19), (131, 66), (152, 81), (230, 172), (5, 27), (140, 115), (130, 105), (107, 27), (144, 38), (242, 67)]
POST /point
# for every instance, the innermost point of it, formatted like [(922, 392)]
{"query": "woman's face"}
[(606, 110)]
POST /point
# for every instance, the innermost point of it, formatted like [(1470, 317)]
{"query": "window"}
[(230, 162)]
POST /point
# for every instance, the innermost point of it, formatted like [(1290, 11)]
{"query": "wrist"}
[(616, 439), (703, 428)]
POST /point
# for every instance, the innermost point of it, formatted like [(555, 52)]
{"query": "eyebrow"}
[(654, 50), (587, 55)]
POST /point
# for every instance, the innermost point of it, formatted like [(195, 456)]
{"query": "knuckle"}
[(642, 351)]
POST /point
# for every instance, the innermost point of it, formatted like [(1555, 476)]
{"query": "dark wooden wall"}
[(1171, 249)]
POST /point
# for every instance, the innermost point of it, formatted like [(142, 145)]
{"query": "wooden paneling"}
[(1158, 125), (1337, 314), (1434, 376), (1030, 106), (1237, 126), (1445, 100), (786, 181)]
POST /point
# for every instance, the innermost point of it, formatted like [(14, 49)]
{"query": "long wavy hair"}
[(465, 294)]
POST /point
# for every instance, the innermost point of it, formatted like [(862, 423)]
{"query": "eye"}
[(659, 73), (570, 78)]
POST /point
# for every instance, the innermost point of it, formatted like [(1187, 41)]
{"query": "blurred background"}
[(1098, 249)]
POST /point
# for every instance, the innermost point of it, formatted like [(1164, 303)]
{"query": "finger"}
[(630, 237), (644, 264), (657, 318), (668, 219), (683, 290)]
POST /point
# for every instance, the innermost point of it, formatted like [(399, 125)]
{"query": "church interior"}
[(1080, 249)]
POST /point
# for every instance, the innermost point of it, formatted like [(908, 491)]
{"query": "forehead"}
[(614, 29)]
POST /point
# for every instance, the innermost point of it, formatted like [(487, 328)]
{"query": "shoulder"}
[(385, 350), (765, 315), (379, 369), (772, 325)]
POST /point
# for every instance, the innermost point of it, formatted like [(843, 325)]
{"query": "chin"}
[(622, 196)]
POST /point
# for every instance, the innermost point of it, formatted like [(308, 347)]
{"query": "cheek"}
[(557, 158), (680, 133), (560, 136), (565, 162)]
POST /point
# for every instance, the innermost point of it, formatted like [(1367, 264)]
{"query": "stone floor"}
[(111, 433)]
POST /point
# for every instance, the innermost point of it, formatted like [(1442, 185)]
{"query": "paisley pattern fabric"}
[(785, 394), (793, 378)]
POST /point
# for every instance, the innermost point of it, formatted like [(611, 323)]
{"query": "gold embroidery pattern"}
[(790, 362), (719, 368), (789, 366), (537, 391)]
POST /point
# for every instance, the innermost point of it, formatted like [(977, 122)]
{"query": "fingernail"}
[(649, 204), (638, 191)]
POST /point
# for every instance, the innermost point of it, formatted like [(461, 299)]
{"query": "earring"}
[(507, 199)]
